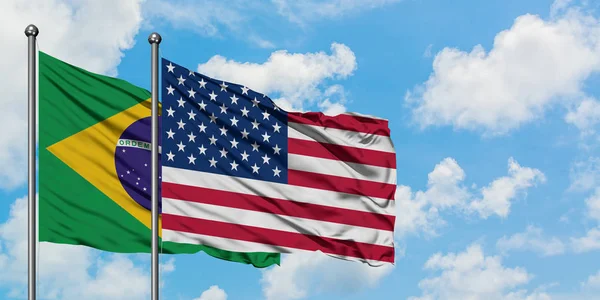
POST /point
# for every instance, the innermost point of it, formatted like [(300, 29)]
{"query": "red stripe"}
[(341, 184), (278, 238), (343, 153), (344, 122), (278, 206)]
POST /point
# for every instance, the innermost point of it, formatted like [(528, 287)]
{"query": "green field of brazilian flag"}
[(82, 117)]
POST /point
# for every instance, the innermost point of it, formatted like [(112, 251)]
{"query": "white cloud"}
[(75, 31), (235, 17), (585, 116), (524, 295), (593, 282), (593, 205), (532, 240), (335, 98), (213, 293), (303, 274), (587, 178), (205, 18), (559, 6), (472, 275), (585, 175), (90, 275), (589, 242), (496, 196), (309, 10), (427, 53), (420, 211), (299, 79), (209, 17), (533, 65)]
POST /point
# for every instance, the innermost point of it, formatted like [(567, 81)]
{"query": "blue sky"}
[(492, 108)]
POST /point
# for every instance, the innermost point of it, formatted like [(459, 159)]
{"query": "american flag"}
[(241, 174)]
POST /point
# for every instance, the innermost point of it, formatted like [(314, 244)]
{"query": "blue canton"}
[(219, 127)]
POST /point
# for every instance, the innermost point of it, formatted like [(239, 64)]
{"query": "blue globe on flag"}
[(132, 161)]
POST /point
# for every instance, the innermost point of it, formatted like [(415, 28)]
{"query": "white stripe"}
[(277, 222), (341, 168), (277, 190), (340, 137), (244, 246)]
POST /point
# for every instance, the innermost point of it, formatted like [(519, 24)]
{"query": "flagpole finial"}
[(154, 38), (32, 30)]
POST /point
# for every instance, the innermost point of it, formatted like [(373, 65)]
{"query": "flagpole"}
[(154, 39), (31, 32)]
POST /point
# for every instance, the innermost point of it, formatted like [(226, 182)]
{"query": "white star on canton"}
[(223, 131), (245, 156), (255, 146), (245, 112), (276, 172), (245, 134), (234, 143), (223, 109), (255, 124), (202, 127), (192, 159), (224, 153), (181, 124), (202, 83), (170, 90), (265, 115), (170, 134), (191, 73), (192, 115), (181, 147), (266, 137), (171, 67), (223, 86), (275, 107), (213, 162), (245, 91), (192, 137), (266, 159), (170, 156), (170, 112), (181, 80), (213, 140), (276, 127), (234, 99), (255, 102), (276, 149), (180, 102), (202, 105), (234, 166), (234, 121), (213, 96), (192, 93), (213, 118), (255, 168), (202, 149)]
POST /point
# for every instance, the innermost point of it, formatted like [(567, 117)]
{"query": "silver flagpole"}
[(31, 32), (154, 39)]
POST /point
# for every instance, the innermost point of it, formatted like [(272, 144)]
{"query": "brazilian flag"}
[(94, 165)]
